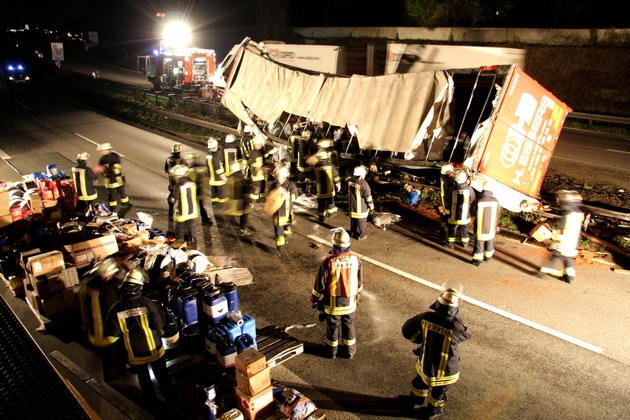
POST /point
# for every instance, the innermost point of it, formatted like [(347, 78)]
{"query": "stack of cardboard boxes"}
[(254, 393), (50, 285)]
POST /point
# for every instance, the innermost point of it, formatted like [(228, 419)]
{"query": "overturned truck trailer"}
[(499, 125)]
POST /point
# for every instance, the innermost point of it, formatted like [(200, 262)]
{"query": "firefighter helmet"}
[(104, 146), (259, 139), (176, 148), (447, 169), (461, 177), (360, 171), (213, 143), (179, 170), (107, 267), (322, 154), (230, 138), (450, 293), (134, 280), (281, 173), (325, 143), (306, 134), (568, 196), (341, 238), (83, 156)]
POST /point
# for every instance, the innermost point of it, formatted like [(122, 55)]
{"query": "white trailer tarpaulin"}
[(389, 111)]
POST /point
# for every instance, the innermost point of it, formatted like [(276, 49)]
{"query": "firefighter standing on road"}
[(283, 218), (337, 287), (256, 168), (438, 333), (485, 210), (459, 201), (328, 184), (186, 205), (231, 153), (173, 160), (216, 173), (84, 177), (110, 166), (567, 238), (360, 203)]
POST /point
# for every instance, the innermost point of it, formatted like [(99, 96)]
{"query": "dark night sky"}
[(219, 24)]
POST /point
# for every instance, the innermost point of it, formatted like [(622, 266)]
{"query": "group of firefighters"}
[(236, 177)]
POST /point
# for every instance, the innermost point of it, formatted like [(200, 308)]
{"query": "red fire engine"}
[(187, 68)]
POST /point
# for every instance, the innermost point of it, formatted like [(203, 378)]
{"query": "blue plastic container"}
[(232, 329), (245, 342), (226, 353), (187, 305), (249, 326), (215, 306), (231, 295), (192, 339), (213, 337)]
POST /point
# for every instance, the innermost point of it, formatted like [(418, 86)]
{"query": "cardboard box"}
[(69, 276), (35, 203), (251, 362), (5, 219), (84, 252), (70, 298), (541, 232), (48, 262), (255, 406), (254, 384), (51, 306)]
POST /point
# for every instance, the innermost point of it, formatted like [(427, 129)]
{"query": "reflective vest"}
[(186, 204), (84, 183)]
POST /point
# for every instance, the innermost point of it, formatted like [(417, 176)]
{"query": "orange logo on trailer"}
[(520, 144)]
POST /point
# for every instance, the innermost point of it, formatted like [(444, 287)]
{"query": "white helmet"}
[(447, 169), (461, 177), (179, 170), (341, 238), (83, 156), (325, 143), (450, 293), (259, 139), (230, 138), (360, 171), (322, 154), (212, 143), (104, 146), (247, 129), (177, 148), (281, 173)]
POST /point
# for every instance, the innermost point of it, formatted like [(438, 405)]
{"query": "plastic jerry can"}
[(232, 329), (213, 337), (187, 305), (245, 342), (215, 306), (231, 295), (249, 326), (226, 353)]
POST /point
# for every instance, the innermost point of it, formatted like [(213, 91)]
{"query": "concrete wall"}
[(476, 35)]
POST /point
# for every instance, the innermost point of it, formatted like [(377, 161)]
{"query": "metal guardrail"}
[(598, 118)]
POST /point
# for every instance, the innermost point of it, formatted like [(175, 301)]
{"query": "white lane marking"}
[(618, 151), (476, 302), (3, 155), (94, 143)]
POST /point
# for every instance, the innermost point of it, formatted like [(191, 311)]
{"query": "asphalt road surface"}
[(541, 348)]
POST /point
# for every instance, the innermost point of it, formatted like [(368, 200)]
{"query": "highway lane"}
[(510, 369)]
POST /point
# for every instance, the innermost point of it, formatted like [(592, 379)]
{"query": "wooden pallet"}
[(277, 345)]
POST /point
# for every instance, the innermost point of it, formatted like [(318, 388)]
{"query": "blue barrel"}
[(193, 340), (187, 305), (215, 306), (249, 326), (210, 408), (229, 291)]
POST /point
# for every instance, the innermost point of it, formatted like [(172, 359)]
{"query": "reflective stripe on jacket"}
[(339, 281), (186, 204), (84, 178), (360, 198)]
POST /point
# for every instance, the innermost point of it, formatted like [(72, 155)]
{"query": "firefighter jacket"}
[(446, 186), (339, 282), (304, 151), (139, 320), (96, 297), (113, 176), (186, 204), (327, 179), (231, 154), (239, 195), (216, 167), (438, 333), (84, 177), (256, 163), (567, 237), (360, 197), (284, 215), (486, 211), (294, 141), (462, 196), (247, 146), (173, 160)]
